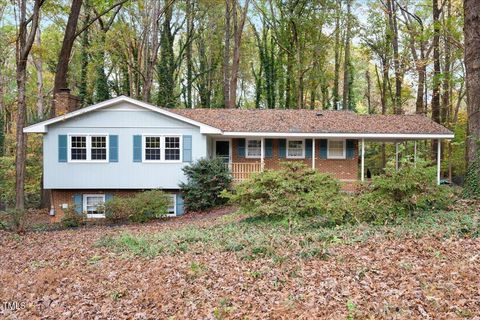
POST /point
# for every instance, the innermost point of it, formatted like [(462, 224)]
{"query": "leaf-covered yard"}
[(219, 265)]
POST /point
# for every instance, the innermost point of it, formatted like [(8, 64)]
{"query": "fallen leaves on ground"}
[(64, 274)]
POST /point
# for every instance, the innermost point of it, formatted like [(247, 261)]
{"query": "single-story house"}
[(120, 146)]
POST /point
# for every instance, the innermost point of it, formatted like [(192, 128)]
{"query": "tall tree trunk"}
[(226, 54), (436, 63), (166, 64), (84, 44), (237, 36), (472, 63), (38, 62), (151, 50), (188, 51), (445, 109), (336, 81), (347, 63), (61, 74), (25, 39), (392, 21), (368, 93)]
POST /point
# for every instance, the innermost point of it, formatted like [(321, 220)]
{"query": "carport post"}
[(363, 159), (313, 153), (415, 153), (439, 159), (262, 154), (396, 156)]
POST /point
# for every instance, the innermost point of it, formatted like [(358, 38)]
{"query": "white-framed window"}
[(87, 148), (162, 148), (172, 209), (296, 149), (253, 148), (153, 149), (93, 205), (336, 149)]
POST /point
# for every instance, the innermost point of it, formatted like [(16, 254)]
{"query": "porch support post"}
[(396, 156), (313, 153), (363, 160), (262, 155), (415, 153), (439, 159)]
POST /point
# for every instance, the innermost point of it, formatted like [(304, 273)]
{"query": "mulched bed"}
[(63, 275)]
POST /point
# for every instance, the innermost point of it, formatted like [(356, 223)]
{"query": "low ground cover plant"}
[(142, 207), (206, 179)]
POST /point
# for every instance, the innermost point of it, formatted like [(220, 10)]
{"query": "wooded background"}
[(369, 56)]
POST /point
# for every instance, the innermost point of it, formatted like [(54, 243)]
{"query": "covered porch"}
[(342, 156)]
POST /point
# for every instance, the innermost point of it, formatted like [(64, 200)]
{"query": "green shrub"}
[(143, 207), (398, 193), (72, 219), (471, 189), (206, 179), (295, 190)]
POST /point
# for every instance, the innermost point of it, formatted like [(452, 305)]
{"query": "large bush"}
[(142, 207), (295, 190), (398, 193), (206, 179)]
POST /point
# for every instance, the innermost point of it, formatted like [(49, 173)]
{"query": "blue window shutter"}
[(241, 148), (137, 148), (350, 149), (78, 202), (323, 149), (268, 148), (108, 197), (187, 148), (282, 148), (113, 148), (308, 148), (180, 208), (62, 148)]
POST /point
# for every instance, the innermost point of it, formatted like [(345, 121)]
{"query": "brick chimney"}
[(65, 102)]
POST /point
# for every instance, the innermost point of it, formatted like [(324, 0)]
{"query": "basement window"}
[(93, 205)]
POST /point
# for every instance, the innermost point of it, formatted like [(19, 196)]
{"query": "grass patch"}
[(261, 238)]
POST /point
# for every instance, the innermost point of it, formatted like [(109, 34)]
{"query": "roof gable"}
[(42, 127)]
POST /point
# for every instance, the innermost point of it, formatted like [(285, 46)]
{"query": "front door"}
[(222, 150)]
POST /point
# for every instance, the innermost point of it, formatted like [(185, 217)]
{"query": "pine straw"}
[(79, 274)]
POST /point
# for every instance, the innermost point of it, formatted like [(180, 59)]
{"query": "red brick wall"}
[(345, 170)]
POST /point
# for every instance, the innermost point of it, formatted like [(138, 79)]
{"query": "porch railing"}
[(243, 170)]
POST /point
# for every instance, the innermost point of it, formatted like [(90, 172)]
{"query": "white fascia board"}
[(398, 136), (41, 127)]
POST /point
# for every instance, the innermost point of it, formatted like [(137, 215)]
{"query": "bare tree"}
[(237, 40), (24, 42)]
